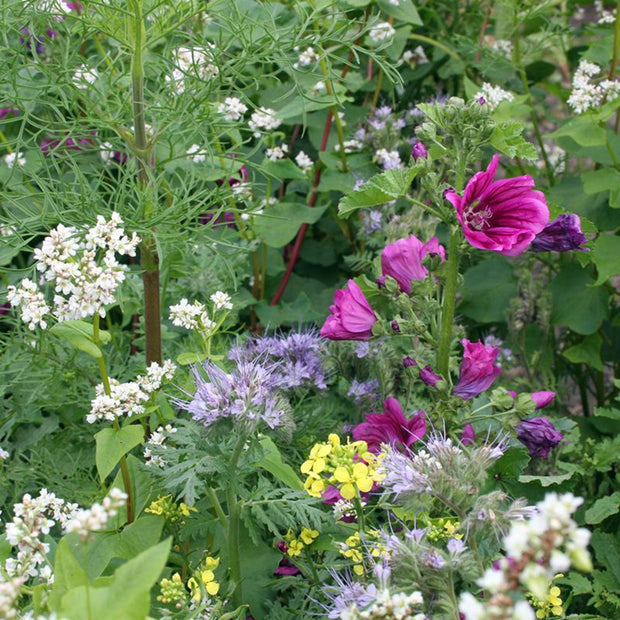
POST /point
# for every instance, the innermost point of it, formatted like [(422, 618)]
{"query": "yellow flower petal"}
[(347, 491), (319, 465), (342, 475), (358, 569), (365, 484), (334, 439), (207, 576), (213, 588)]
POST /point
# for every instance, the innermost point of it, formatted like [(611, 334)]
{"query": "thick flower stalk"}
[(501, 216)]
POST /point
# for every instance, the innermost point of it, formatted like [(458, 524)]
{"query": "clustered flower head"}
[(307, 58), (95, 518), (264, 118), (492, 95), (588, 94), (204, 578), (382, 32), (277, 152), (388, 159), (168, 508), (83, 269), (249, 394), (298, 358), (350, 467), (296, 544), (232, 109), (128, 399), (195, 316), (10, 159), (157, 440), (536, 550), (192, 61)]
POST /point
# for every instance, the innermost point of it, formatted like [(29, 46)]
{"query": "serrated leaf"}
[(379, 189), (507, 139), (603, 508), (112, 444)]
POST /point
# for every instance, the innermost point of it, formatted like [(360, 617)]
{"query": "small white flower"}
[(10, 159), (84, 77), (232, 109), (4, 454), (221, 301), (277, 152), (306, 58), (350, 146), (503, 47), (195, 153), (303, 161), (415, 57), (264, 118), (493, 95), (382, 32)]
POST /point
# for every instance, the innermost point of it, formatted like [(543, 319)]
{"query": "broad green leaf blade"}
[(112, 444), (606, 255), (507, 139), (272, 462), (603, 508), (80, 335), (584, 130), (404, 10), (280, 223), (586, 352), (380, 189)]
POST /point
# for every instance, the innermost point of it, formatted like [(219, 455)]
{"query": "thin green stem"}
[(233, 524), (315, 575), (614, 56), (334, 111), (359, 510), (517, 61), (437, 44), (427, 208), (105, 379), (219, 512)]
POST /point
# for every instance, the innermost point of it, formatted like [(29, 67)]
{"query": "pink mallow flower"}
[(351, 316), (403, 260), (502, 216), (390, 427), (478, 371)]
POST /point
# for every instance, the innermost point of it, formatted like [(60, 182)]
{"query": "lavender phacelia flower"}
[(298, 358), (249, 395), (360, 390)]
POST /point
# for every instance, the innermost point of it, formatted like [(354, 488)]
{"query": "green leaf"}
[(380, 189), (283, 169), (507, 139), (603, 508), (587, 352), (280, 223), (68, 572), (511, 464), (575, 303), (272, 462), (584, 130), (404, 11), (190, 358), (602, 180), (112, 444), (488, 289), (80, 335), (128, 595), (606, 256), (546, 481)]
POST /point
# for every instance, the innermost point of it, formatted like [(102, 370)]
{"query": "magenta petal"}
[(542, 399), (478, 371)]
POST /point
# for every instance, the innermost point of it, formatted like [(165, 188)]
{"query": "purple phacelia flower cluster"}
[(297, 358), (364, 390), (248, 395)]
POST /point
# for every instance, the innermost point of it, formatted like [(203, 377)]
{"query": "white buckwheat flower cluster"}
[(95, 518), (493, 95), (4, 455), (586, 93), (85, 77), (195, 316), (382, 32), (196, 154), (10, 590), (350, 146), (503, 47), (605, 16), (303, 161), (547, 543), (128, 399), (307, 58), (415, 57), (34, 518), (221, 301), (263, 118), (232, 109), (83, 269), (192, 61), (157, 440), (10, 159), (277, 152)]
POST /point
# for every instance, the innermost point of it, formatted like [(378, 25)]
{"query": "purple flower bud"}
[(538, 435), (478, 371), (381, 281), (429, 377), (285, 568), (542, 399), (468, 436), (395, 326), (408, 362), (562, 235), (419, 151), (481, 100)]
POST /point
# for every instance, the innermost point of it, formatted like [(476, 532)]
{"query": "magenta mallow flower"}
[(538, 435), (351, 316), (562, 235), (428, 376), (419, 151), (502, 216), (390, 427), (402, 260), (541, 399), (478, 371)]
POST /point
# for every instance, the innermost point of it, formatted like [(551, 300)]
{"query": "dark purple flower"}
[(478, 371), (390, 427), (562, 235), (419, 151), (538, 435), (502, 216), (286, 569), (468, 436), (395, 326), (481, 100), (241, 176), (351, 318), (408, 362), (402, 260), (429, 377)]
